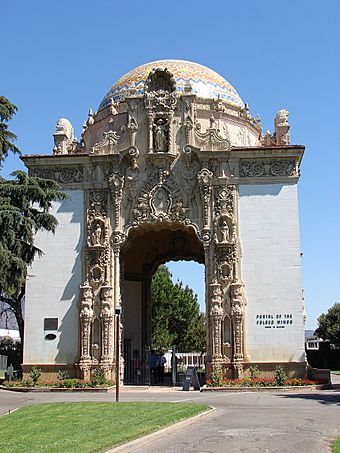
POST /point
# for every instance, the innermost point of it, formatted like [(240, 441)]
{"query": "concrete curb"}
[(55, 389), (9, 412), (268, 389), (135, 445)]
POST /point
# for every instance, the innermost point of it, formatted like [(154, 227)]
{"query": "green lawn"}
[(335, 372), (86, 427), (336, 446)]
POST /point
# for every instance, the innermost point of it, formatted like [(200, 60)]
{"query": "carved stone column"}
[(204, 178), (86, 316), (237, 314), (216, 317), (116, 186), (106, 316)]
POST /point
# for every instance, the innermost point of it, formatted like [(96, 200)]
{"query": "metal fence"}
[(145, 367), (3, 362)]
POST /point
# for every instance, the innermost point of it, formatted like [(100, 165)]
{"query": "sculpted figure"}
[(224, 231), (96, 235), (160, 136)]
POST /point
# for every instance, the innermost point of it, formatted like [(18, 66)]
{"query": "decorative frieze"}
[(262, 168), (67, 175)]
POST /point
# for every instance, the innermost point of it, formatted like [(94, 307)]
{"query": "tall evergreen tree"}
[(7, 111), (329, 325), (25, 202), (176, 317)]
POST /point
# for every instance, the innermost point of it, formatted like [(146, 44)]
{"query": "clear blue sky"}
[(60, 58)]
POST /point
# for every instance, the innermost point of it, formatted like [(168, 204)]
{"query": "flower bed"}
[(263, 382), (64, 384)]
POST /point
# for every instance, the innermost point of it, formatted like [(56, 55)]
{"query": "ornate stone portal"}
[(168, 149)]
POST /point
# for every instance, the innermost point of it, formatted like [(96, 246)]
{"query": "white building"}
[(171, 166)]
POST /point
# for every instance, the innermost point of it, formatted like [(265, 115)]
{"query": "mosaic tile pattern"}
[(205, 82)]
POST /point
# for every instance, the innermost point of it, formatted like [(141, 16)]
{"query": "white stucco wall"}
[(269, 231), (52, 288)]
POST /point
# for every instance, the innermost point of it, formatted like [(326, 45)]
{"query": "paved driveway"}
[(243, 422)]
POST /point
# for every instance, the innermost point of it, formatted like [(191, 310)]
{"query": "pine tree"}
[(176, 318), (7, 111), (329, 325), (25, 202)]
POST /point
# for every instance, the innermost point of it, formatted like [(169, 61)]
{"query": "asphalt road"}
[(304, 421)]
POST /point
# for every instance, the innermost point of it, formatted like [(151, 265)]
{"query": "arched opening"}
[(148, 246)]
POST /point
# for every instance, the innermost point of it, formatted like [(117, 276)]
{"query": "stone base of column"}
[(217, 369), (238, 370), (108, 368)]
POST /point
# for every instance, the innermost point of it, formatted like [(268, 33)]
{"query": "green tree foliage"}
[(329, 325), (7, 111), (25, 202), (176, 317)]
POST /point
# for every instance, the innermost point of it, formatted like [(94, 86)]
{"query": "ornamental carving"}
[(211, 139), (262, 168), (224, 200), (107, 144), (86, 316), (224, 231), (282, 128), (217, 315), (160, 199), (97, 221), (132, 128), (67, 175), (106, 315), (98, 232), (204, 178), (116, 182), (237, 314), (160, 100)]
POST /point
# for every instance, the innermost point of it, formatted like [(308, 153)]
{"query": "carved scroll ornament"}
[(262, 168)]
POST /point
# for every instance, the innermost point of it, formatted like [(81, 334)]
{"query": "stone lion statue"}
[(281, 118), (64, 127)]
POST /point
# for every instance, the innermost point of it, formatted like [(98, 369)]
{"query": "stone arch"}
[(148, 246)]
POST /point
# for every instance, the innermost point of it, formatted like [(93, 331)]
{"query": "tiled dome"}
[(205, 82)]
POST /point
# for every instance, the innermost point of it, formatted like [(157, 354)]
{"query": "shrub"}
[(98, 377), (280, 375), (254, 372), (217, 377), (68, 383), (310, 372), (27, 383), (35, 374), (63, 374)]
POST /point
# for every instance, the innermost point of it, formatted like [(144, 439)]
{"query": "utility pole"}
[(117, 312)]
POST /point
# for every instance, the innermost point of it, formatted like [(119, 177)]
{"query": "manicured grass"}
[(335, 372), (336, 446), (86, 427)]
